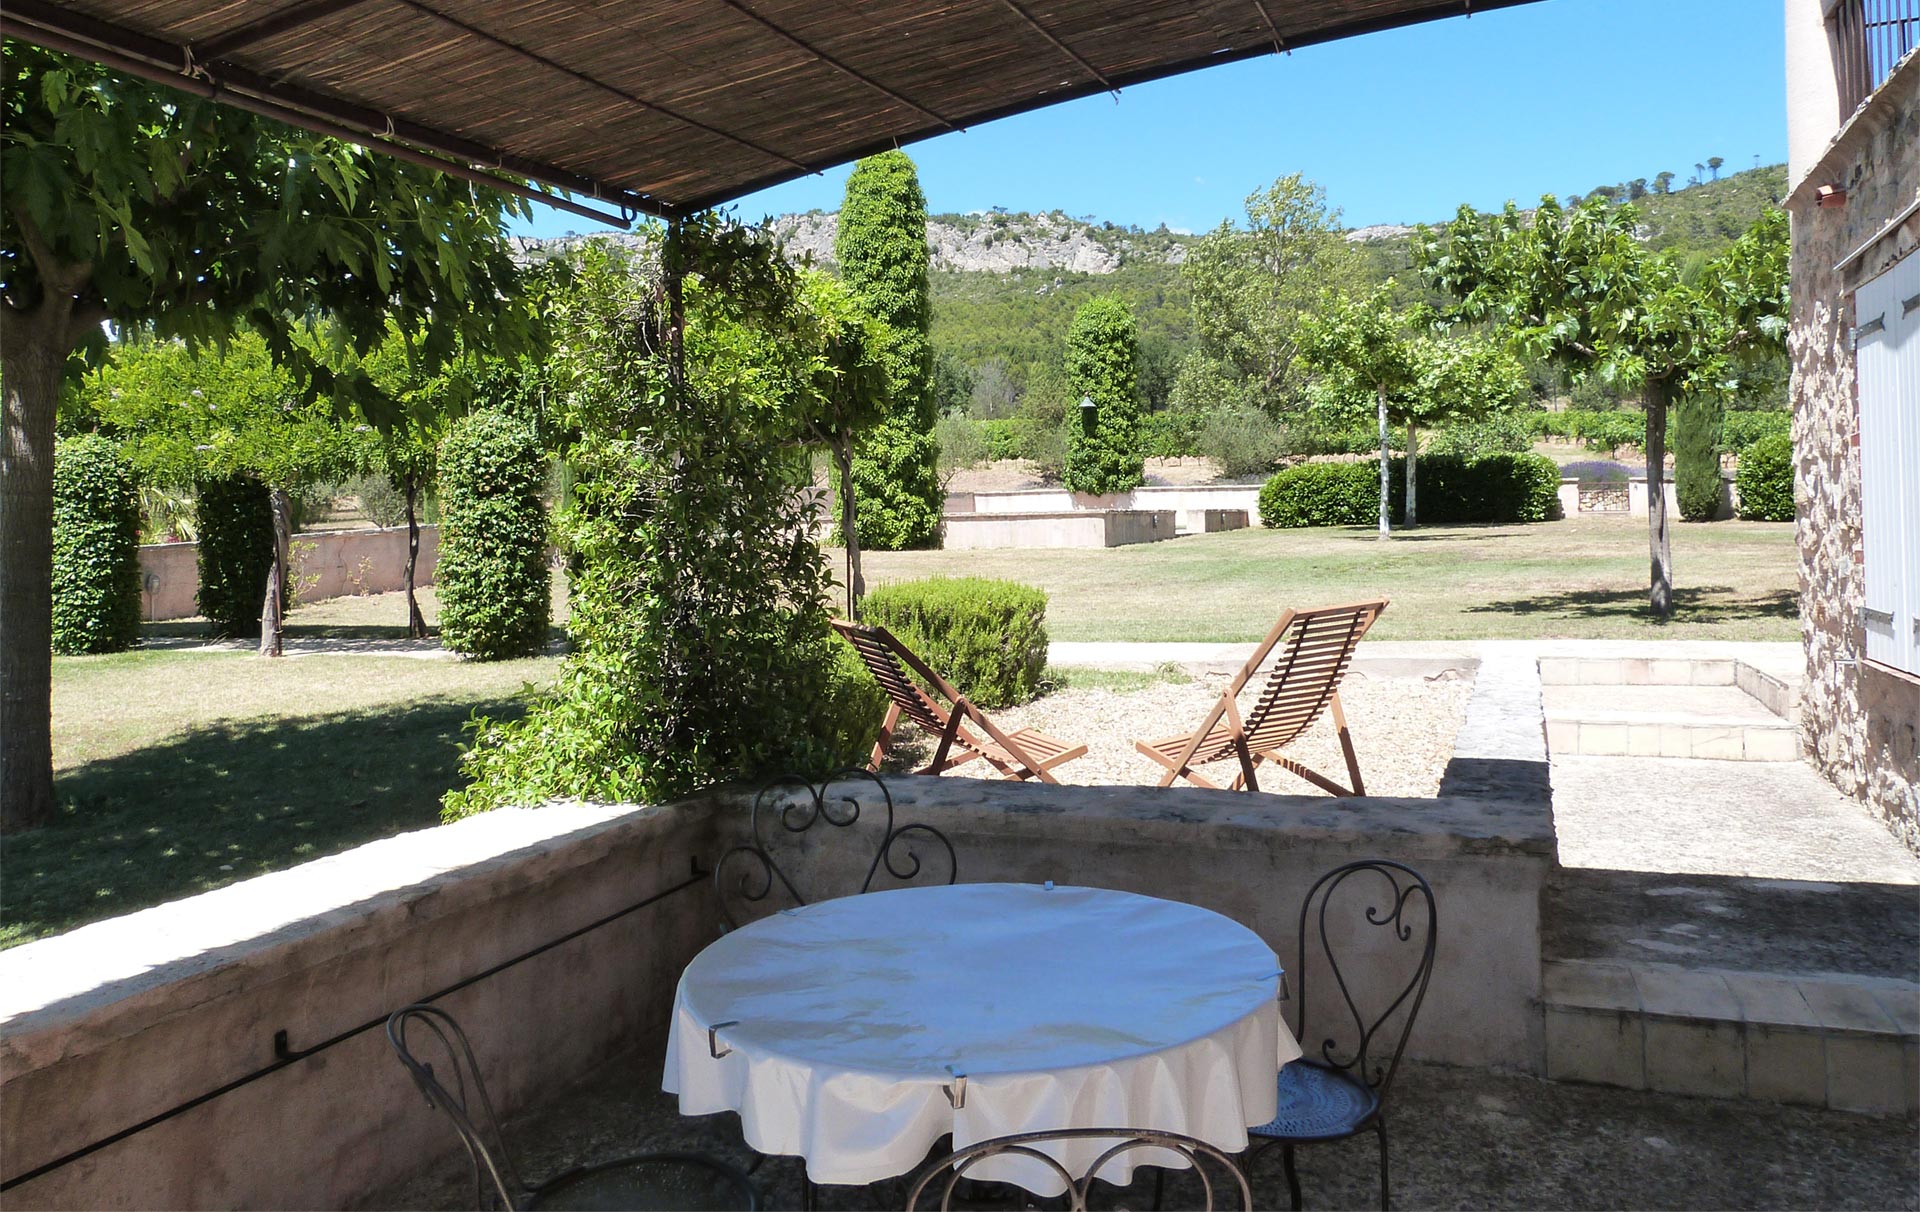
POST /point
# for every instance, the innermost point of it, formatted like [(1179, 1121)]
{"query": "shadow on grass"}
[(228, 802), (1707, 604)]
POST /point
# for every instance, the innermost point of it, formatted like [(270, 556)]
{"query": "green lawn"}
[(1579, 579), (180, 772)]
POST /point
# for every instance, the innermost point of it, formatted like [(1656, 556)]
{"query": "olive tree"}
[(1577, 287), (135, 205)]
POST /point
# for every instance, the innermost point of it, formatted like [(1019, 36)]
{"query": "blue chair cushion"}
[(1318, 1103)]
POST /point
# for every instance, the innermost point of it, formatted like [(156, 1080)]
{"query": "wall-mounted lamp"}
[(1089, 414), (1830, 197)]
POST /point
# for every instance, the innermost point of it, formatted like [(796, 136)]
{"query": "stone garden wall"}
[(1861, 722)]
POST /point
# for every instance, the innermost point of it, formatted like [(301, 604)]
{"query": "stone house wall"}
[(1861, 723)]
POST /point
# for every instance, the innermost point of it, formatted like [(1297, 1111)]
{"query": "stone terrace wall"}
[(123, 1020), (1860, 722)]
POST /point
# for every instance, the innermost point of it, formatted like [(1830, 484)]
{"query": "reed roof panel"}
[(673, 105)]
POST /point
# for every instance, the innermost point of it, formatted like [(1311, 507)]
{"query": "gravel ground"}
[(1402, 728)]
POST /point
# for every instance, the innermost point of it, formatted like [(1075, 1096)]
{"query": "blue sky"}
[(1400, 126)]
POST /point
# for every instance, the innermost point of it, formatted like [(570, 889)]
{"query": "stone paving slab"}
[(1461, 1138), (1772, 820)]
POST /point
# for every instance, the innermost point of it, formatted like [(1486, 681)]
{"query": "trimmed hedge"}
[(492, 577), (989, 638), (96, 547), (1496, 488), (236, 553), (1765, 480), (1323, 494)]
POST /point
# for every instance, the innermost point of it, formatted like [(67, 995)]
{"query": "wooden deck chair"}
[(1310, 652), (1021, 754)]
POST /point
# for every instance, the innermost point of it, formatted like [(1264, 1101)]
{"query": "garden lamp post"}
[(1089, 415)]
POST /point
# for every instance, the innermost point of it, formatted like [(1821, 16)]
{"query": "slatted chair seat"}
[(1308, 653), (965, 733)]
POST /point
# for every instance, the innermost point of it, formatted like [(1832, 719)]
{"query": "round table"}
[(857, 1032)]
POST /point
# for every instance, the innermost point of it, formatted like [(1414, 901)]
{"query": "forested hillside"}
[(996, 330)]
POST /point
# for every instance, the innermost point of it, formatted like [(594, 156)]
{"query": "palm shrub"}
[(492, 578), (236, 552), (882, 249), (987, 637), (1696, 457), (1765, 480), (1104, 451), (96, 547)]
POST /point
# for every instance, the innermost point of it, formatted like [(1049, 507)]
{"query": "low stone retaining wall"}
[(245, 1023), (115, 1023), (1630, 498), (1190, 503), (1069, 528), (328, 563)]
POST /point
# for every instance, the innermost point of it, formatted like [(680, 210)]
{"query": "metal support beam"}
[(794, 40), (1279, 43), (22, 20), (168, 63), (1063, 48), (474, 31)]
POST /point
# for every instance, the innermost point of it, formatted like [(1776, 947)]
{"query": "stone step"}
[(1717, 722), (1847, 1042)]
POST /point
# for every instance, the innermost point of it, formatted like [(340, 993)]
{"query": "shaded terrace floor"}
[(1462, 1138)]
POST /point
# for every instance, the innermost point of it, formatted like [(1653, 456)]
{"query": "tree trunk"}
[(856, 584), (273, 610), (33, 352), (416, 623), (1660, 548), (1386, 529), (1411, 516)]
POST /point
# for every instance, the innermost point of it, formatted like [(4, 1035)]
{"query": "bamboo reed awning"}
[(671, 106)]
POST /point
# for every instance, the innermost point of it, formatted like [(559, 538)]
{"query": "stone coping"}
[(1238, 821), (1049, 515), (229, 935)]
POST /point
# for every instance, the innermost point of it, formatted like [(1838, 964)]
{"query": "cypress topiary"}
[(236, 551), (492, 578), (96, 547), (1696, 457), (1103, 365), (882, 250)]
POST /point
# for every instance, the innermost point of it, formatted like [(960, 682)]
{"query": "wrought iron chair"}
[(642, 1181), (749, 872), (1214, 1168), (1343, 1090)]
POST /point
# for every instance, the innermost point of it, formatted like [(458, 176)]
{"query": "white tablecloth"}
[(1063, 1007)]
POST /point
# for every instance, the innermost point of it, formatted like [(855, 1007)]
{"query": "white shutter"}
[(1887, 361)]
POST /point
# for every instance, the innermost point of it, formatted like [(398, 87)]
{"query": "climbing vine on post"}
[(1103, 376)]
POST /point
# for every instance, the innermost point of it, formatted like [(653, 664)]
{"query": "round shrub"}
[(96, 547), (1323, 494), (236, 553), (989, 638), (1765, 480), (492, 578)]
